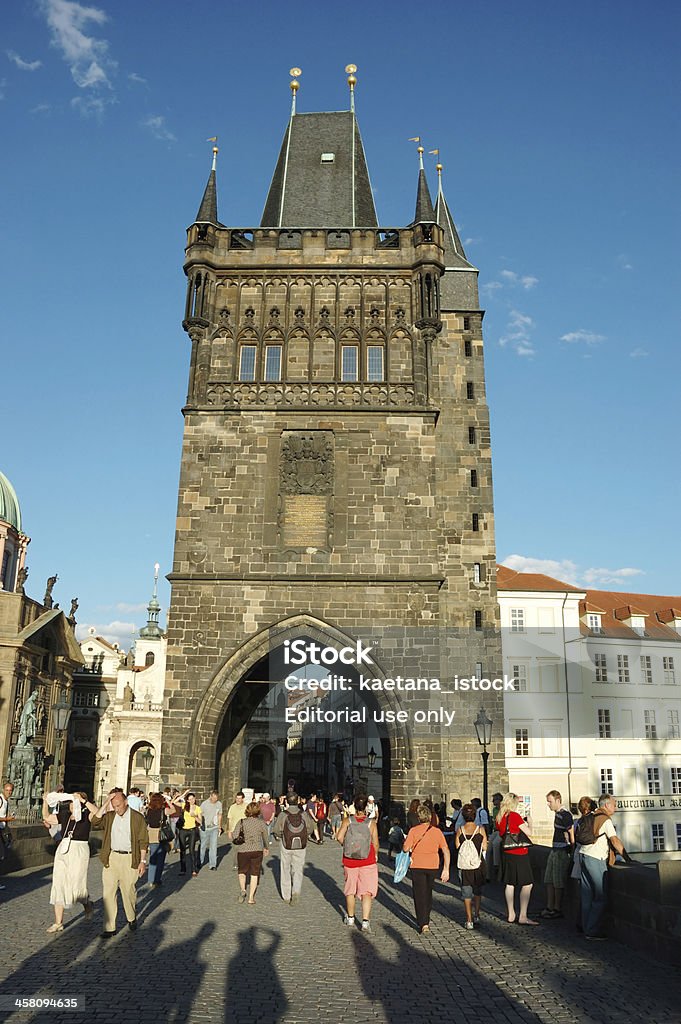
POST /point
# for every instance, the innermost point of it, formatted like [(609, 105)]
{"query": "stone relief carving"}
[(306, 463)]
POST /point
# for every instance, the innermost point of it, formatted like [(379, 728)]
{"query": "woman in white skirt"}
[(72, 857)]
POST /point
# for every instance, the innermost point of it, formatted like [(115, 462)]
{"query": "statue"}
[(128, 695), (71, 617), (47, 600), (28, 721), (22, 576)]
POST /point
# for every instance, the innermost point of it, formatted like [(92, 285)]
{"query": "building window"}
[(467, 347), (273, 362), (520, 678), (622, 668), (466, 323), (601, 663), (517, 620), (475, 524), (522, 743), (673, 725), (375, 371), (247, 362), (678, 836), (650, 725), (646, 669), (149, 659), (638, 624), (470, 389), (79, 699), (478, 618), (477, 572), (676, 781), (653, 781), (594, 623), (471, 435), (668, 668), (474, 478), (349, 362), (478, 670), (603, 723), (607, 781), (657, 836)]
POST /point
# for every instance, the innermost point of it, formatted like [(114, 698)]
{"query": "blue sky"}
[(559, 130)]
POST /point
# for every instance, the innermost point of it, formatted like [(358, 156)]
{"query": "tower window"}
[(470, 389), (467, 347), (474, 478), (475, 522), (477, 573), (478, 618), (273, 362), (471, 435), (466, 323), (375, 370), (349, 362), (247, 362), (149, 659)]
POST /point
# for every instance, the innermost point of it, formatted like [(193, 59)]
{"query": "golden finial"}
[(420, 150), (215, 157), (295, 73), (350, 70)]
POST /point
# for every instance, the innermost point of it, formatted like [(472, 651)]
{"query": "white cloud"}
[(89, 106), (157, 127), (569, 572), (129, 609), (638, 353), (517, 333), (513, 280), (491, 287), (42, 108), (134, 77), (509, 275), (623, 261), (564, 570), (87, 57), (608, 577), (24, 65), (3, 83), (528, 281), (116, 632), (582, 337)]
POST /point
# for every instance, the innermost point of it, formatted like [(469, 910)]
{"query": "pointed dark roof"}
[(308, 191), (425, 214), (208, 210), (454, 250)]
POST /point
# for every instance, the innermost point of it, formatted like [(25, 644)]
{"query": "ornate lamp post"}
[(147, 760), (371, 757), (61, 713), (483, 729)]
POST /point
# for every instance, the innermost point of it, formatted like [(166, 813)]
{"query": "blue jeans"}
[(594, 894), (157, 858), (209, 841)]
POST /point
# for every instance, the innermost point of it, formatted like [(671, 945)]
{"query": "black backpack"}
[(585, 829), (294, 832)]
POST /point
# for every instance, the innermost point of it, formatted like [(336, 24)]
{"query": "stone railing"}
[(235, 394)]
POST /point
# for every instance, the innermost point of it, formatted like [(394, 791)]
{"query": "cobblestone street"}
[(200, 956)]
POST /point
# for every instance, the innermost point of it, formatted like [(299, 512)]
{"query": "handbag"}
[(403, 860), (240, 839), (165, 832), (65, 844), (514, 840)]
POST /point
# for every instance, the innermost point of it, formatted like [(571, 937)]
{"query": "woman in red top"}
[(516, 869), (361, 875), (425, 842)]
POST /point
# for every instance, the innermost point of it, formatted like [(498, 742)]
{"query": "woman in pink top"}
[(425, 842)]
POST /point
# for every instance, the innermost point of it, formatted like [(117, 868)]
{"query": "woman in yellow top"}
[(188, 830)]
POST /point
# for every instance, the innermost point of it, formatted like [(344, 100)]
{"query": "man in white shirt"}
[(211, 823), (135, 799), (6, 817), (594, 859)]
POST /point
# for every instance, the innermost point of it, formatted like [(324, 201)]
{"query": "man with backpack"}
[(359, 837), (597, 843), (558, 863), (291, 828)]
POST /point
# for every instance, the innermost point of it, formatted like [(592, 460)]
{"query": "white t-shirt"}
[(599, 849), (210, 812), (4, 810), (135, 801)]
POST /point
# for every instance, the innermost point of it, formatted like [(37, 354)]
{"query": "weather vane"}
[(350, 70), (295, 74)]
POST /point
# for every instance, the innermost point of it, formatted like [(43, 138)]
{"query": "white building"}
[(597, 703)]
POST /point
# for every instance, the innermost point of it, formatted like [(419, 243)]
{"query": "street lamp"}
[(483, 729), (61, 713), (147, 760), (371, 757)]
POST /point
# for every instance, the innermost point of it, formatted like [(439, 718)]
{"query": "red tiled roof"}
[(509, 579), (614, 605)]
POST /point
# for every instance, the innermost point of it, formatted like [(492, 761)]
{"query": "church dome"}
[(9, 504)]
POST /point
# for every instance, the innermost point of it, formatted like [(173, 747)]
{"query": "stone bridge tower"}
[(336, 471)]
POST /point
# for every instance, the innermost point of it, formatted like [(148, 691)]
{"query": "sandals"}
[(55, 928), (242, 897)]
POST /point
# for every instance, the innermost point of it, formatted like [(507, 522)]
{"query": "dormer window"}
[(594, 623), (638, 623)]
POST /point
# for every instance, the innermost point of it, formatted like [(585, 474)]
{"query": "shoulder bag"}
[(403, 860)]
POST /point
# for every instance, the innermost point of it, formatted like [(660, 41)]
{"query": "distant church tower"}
[(336, 469)]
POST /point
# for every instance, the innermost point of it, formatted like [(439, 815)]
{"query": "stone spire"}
[(208, 210), (152, 628), (453, 246), (425, 214)]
